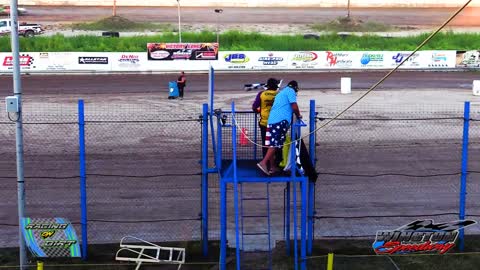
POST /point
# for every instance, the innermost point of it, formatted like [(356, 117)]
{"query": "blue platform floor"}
[(247, 171)]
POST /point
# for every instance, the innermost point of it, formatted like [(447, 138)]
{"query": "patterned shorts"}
[(276, 134)]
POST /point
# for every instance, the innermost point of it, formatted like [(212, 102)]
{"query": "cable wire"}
[(393, 119), (371, 88)]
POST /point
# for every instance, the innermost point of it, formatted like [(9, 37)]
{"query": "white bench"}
[(142, 251)]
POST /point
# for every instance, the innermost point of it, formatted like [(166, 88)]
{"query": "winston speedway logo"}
[(421, 236)]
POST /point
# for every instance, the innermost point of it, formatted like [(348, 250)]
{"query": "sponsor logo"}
[(270, 60), (470, 59), (182, 54), (59, 243), (304, 60), (25, 61), (93, 60), (205, 55), (47, 234), (43, 55), (439, 60), (412, 61), (236, 58), (421, 236), (372, 59), (129, 59), (159, 54), (338, 59), (305, 57)]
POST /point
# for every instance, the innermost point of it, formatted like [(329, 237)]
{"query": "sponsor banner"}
[(420, 236), (28, 61), (89, 60), (393, 59), (439, 59), (128, 61), (339, 60), (270, 60), (50, 237), (56, 61), (304, 60), (182, 51), (234, 60), (372, 60), (468, 59)]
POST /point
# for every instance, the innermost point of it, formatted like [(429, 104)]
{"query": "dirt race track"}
[(400, 16), (143, 154)]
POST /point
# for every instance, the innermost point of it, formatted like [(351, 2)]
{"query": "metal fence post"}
[(235, 186), (205, 180), (311, 186), (83, 177), (463, 179)]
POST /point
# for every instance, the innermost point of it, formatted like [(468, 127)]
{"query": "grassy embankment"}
[(238, 41)]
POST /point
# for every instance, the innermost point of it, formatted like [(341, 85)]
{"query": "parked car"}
[(5, 10), (24, 29)]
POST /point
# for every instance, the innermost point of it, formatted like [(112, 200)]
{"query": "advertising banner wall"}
[(182, 51), (238, 61)]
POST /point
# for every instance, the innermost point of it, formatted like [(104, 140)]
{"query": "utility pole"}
[(348, 9), (17, 91), (218, 11), (114, 8), (179, 23)]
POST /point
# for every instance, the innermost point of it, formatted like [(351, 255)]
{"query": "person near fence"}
[(263, 104), (279, 122), (181, 83)]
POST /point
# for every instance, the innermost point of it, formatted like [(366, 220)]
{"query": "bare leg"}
[(269, 157)]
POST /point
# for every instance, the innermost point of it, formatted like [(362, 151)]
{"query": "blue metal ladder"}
[(244, 216)]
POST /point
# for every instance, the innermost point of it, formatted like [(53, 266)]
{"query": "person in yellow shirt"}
[(263, 104)]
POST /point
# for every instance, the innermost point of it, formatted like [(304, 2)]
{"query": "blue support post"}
[(205, 180), (294, 183), (463, 180), (211, 95), (313, 126), (235, 185), (287, 219), (311, 216), (311, 186), (255, 134), (218, 155), (83, 178), (303, 254), (223, 224)]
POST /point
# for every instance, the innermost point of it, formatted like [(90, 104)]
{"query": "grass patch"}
[(117, 23), (345, 24), (349, 254), (238, 41)]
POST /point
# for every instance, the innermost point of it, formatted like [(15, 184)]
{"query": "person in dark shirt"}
[(262, 105), (181, 83)]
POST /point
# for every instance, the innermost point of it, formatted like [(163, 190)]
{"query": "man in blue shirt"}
[(279, 122)]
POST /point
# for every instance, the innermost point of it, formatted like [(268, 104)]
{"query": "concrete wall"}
[(255, 3)]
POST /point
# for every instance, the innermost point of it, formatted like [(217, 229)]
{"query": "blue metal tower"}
[(235, 163)]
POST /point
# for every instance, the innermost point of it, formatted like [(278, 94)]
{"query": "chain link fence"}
[(143, 174), (50, 137), (383, 167), (143, 171)]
